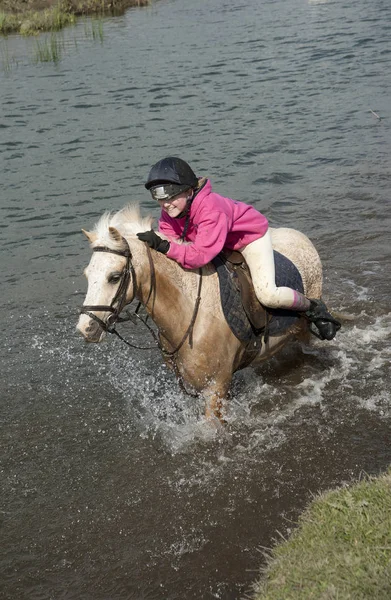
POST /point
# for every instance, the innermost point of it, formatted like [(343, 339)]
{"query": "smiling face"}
[(175, 206)]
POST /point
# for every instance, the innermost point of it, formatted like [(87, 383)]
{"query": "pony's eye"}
[(114, 277)]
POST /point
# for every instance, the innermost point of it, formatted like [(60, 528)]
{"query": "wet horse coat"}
[(208, 358)]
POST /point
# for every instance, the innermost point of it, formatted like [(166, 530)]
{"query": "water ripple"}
[(272, 101)]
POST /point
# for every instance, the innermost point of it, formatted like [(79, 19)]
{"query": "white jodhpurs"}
[(260, 259)]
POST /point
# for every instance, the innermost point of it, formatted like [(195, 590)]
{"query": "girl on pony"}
[(192, 212)]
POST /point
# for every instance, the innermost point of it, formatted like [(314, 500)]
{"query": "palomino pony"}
[(193, 335)]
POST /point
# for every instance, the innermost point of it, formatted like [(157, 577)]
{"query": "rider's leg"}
[(260, 260)]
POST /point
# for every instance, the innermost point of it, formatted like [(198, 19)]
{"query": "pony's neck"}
[(168, 293)]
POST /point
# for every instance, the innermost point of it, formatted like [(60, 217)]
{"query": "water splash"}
[(263, 403)]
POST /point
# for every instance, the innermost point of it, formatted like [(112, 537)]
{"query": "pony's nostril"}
[(92, 327)]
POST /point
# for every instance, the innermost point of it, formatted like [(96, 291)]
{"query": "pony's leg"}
[(304, 335), (214, 402)]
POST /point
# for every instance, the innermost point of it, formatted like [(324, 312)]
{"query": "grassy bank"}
[(29, 17), (341, 550)]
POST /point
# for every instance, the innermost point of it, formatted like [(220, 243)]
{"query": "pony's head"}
[(110, 273)]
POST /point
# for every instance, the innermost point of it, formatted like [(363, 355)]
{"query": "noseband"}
[(119, 300)]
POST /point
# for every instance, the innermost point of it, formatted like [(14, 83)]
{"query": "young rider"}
[(192, 212)]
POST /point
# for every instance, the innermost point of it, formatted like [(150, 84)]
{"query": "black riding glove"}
[(154, 241)]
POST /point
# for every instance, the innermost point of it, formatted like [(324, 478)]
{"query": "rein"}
[(120, 300)]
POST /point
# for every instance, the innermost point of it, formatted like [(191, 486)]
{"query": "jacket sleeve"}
[(210, 239)]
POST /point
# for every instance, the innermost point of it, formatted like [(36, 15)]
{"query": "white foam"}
[(360, 293), (379, 403), (356, 365), (163, 410)]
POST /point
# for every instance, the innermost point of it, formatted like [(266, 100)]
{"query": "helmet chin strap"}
[(189, 200), (186, 212)]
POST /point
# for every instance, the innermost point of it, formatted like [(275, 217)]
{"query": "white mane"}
[(128, 221)]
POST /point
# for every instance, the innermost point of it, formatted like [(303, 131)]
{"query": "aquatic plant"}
[(94, 29), (7, 61), (49, 49)]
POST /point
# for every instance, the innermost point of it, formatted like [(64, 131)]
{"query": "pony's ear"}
[(90, 235), (115, 234)]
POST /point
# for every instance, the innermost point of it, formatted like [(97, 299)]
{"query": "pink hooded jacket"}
[(215, 223)]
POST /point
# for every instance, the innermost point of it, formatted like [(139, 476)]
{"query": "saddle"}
[(248, 319), (256, 313)]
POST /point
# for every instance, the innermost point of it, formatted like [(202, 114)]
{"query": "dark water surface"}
[(113, 487)]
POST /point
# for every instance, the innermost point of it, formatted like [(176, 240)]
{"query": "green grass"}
[(31, 23), (8, 23), (51, 47), (16, 16), (341, 550)]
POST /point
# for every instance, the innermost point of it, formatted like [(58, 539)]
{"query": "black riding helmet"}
[(169, 177)]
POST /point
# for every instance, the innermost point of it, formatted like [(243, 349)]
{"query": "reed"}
[(49, 49), (7, 61), (94, 29)]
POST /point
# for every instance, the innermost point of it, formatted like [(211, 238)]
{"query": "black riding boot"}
[(326, 325)]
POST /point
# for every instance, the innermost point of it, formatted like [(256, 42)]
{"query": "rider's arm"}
[(210, 239)]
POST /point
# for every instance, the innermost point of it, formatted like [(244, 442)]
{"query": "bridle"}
[(119, 301)]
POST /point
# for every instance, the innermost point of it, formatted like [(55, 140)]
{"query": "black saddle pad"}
[(286, 275)]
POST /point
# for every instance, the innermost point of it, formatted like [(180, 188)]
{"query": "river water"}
[(113, 487)]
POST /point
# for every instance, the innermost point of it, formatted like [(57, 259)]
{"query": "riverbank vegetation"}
[(342, 548), (29, 17)]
